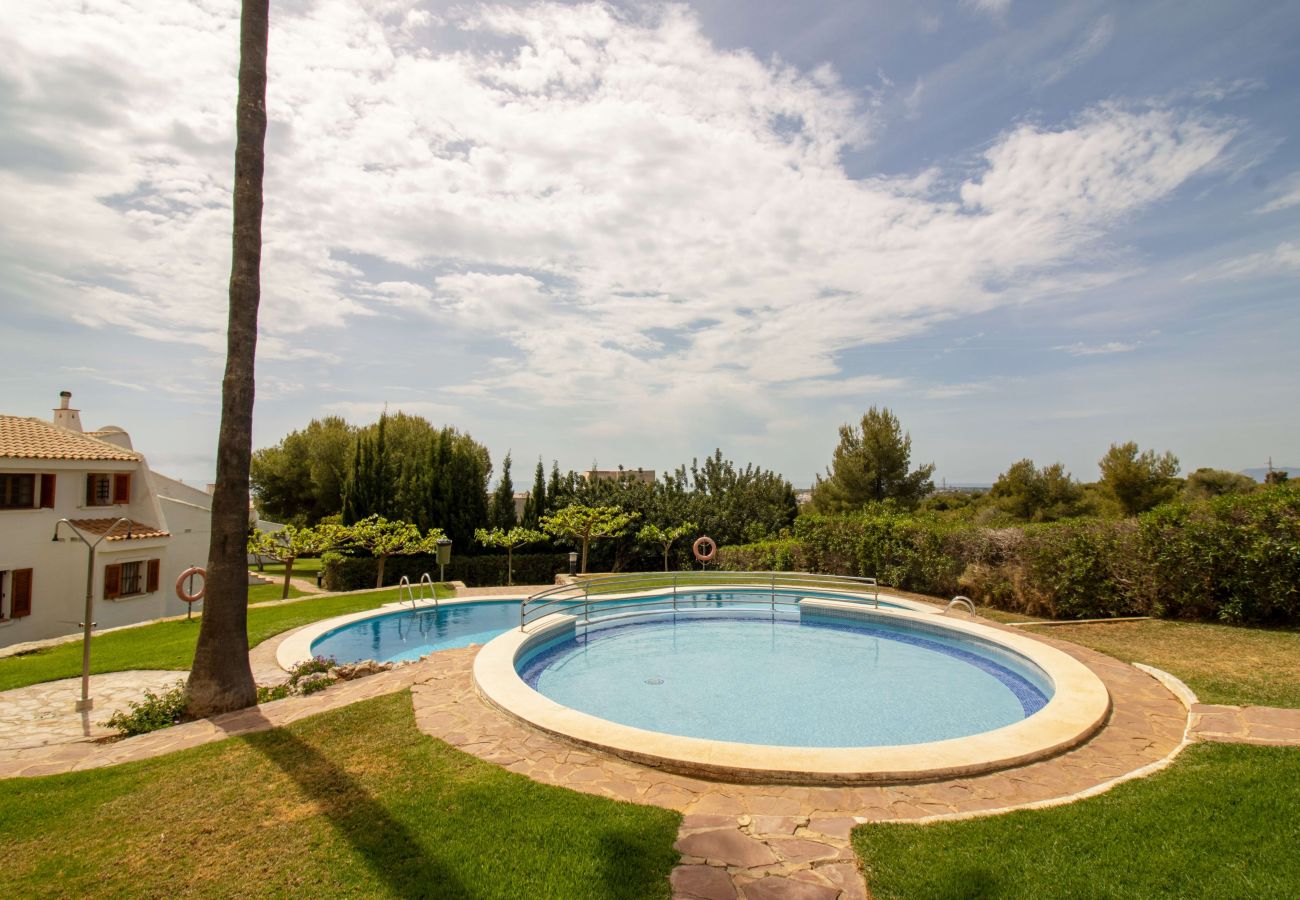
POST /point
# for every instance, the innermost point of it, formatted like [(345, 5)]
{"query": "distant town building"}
[(803, 496)]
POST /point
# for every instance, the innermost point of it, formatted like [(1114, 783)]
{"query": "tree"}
[(587, 523), (1135, 481), (368, 487), (509, 539), (871, 465), (535, 507), (221, 678), (382, 539), (300, 480), (502, 513), (1204, 484), (664, 537), (1038, 495), (288, 544)]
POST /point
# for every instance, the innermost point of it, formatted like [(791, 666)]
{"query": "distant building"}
[(55, 470), (645, 476), (803, 496)]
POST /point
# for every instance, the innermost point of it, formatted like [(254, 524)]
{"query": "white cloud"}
[(652, 225), (1082, 349), (1288, 196), (1092, 43), (994, 8), (1283, 259)]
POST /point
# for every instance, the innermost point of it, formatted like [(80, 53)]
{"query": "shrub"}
[(351, 573), (269, 693), (154, 712), (317, 665)]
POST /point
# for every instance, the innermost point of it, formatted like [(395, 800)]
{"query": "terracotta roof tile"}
[(129, 531), (23, 438)]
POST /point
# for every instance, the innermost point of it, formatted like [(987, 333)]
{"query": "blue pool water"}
[(778, 679), (410, 634)]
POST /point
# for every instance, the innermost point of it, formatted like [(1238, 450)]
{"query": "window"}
[(131, 578), (103, 489), (17, 491), (15, 594)]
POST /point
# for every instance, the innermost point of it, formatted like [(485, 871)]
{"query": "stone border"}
[(1078, 708), (296, 647)]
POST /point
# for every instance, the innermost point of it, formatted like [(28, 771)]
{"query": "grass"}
[(1224, 821), (302, 568), (170, 645), (262, 593), (1221, 663), (355, 802)]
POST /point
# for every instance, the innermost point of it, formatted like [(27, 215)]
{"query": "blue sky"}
[(631, 233)]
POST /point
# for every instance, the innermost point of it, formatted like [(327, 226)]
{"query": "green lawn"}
[(170, 645), (261, 593), (355, 802), (1224, 821), (302, 568), (1221, 663)]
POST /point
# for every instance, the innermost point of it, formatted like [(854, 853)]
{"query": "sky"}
[(630, 233)]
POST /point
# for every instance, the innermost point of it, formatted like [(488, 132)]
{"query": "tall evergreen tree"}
[(870, 465), (536, 506), (502, 514)]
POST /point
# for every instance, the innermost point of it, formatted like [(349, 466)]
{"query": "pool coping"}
[(1079, 707)]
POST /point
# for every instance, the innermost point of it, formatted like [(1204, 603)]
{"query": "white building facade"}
[(54, 470)]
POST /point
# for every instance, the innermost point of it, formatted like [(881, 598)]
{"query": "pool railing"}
[(647, 592)]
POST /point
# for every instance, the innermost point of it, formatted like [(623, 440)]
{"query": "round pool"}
[(409, 634), (805, 680), (823, 691)]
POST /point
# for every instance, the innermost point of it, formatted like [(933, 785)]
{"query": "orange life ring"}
[(180, 585), (705, 555)]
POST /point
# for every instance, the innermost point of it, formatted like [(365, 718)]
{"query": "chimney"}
[(64, 416)]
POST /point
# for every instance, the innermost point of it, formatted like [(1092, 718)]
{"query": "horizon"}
[(620, 234)]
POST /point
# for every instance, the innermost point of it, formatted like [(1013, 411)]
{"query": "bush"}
[(352, 573), (269, 693), (154, 712), (317, 665), (1234, 558)]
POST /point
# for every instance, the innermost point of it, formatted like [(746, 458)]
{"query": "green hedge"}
[(1235, 558), (351, 573)]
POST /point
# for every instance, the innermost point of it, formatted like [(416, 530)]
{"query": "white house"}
[(55, 470)]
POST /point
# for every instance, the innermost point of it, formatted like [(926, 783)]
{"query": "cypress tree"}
[(536, 506), (502, 514)]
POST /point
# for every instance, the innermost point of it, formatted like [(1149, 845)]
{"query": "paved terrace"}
[(736, 841)]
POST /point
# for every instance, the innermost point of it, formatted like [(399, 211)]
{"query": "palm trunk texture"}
[(221, 678)]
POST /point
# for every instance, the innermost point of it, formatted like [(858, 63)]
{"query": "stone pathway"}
[(45, 714), (1246, 724)]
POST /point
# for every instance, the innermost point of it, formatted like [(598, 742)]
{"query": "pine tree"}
[(502, 513), (536, 507)]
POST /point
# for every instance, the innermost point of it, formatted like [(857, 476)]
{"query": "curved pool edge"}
[(296, 647), (1078, 708)]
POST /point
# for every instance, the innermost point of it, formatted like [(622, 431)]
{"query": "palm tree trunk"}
[(221, 678)]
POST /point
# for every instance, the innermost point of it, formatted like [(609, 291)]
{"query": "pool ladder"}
[(961, 601), (404, 585)]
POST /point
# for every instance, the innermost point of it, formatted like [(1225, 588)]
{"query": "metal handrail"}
[(404, 583), (960, 600), (604, 592)]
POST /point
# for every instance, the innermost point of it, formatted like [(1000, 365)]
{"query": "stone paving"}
[(45, 714), (1246, 724)]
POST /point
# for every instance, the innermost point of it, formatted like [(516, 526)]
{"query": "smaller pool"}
[(410, 634)]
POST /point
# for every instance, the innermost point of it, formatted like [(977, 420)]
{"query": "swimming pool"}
[(805, 680), (821, 691), (408, 634)]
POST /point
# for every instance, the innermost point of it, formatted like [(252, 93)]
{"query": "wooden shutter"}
[(122, 488), (22, 589), (90, 490), (47, 491), (112, 581), (151, 579)]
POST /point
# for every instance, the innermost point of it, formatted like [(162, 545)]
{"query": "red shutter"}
[(122, 488), (151, 578), (112, 581), (22, 587), (47, 491)]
